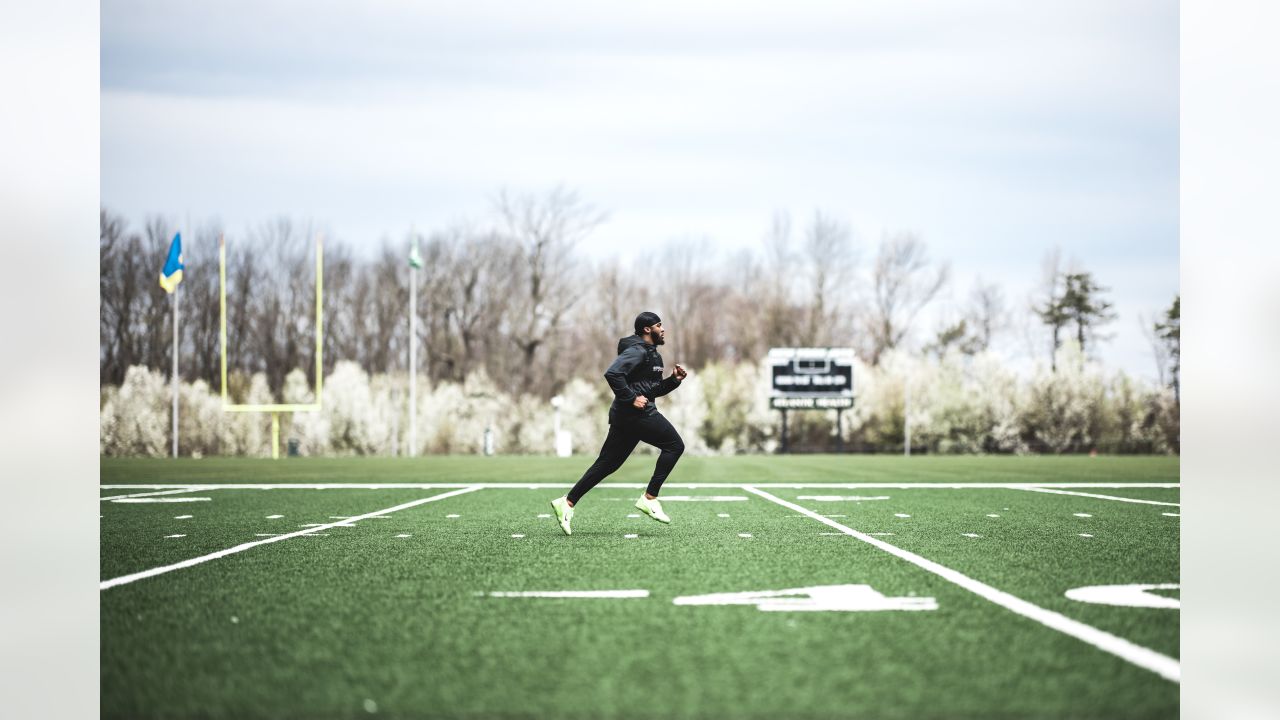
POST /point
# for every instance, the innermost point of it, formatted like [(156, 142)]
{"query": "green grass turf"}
[(322, 624)]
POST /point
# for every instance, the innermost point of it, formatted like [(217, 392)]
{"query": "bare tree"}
[(1169, 331), (1159, 353), (1047, 304), (903, 282), (829, 258), (546, 229), (120, 278), (986, 315), (200, 325), (782, 319)]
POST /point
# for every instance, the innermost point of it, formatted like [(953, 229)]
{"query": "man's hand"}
[(640, 402), (680, 372)]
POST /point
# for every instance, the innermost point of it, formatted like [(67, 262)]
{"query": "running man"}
[(636, 380)]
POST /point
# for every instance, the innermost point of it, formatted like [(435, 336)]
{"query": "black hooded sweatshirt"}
[(637, 371)]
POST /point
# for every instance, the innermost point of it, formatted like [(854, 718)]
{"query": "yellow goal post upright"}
[(274, 409)]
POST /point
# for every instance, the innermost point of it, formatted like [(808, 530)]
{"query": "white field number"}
[(1139, 596)]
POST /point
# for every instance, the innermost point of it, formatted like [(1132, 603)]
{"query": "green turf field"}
[(943, 601)]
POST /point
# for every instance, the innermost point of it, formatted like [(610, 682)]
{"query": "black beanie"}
[(646, 319)]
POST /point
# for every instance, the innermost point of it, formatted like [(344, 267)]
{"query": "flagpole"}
[(413, 360), (175, 373)]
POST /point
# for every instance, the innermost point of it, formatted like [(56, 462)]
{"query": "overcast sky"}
[(995, 130)]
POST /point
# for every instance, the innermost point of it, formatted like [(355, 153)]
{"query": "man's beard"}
[(658, 339)]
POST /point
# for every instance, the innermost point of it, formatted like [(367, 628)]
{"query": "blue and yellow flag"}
[(172, 273)]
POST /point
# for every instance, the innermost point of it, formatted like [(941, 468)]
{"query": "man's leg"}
[(618, 445), (659, 432)]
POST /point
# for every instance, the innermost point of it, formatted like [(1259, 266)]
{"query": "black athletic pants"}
[(624, 433)]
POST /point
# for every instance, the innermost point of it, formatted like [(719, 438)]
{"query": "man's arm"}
[(616, 375), (671, 382)]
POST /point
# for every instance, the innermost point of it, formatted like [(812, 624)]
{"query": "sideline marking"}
[(1082, 514), (1172, 514), (1146, 658), (183, 517), (631, 536), (189, 487), (744, 535), (1127, 595), (901, 515), (614, 594), (1095, 495), (274, 517), (175, 536), (132, 577)]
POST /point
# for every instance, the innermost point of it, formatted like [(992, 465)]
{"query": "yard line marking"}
[(1145, 658), (702, 498), (842, 498), (185, 489), (1082, 514), (1172, 514), (175, 536), (1095, 495), (517, 535), (274, 517), (631, 536), (569, 594), (550, 486), (722, 514), (161, 500), (544, 515), (744, 535), (133, 577), (182, 517)]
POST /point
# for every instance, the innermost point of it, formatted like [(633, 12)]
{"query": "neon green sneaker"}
[(652, 508), (564, 514)]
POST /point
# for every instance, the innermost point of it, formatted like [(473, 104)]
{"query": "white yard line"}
[(1145, 658), (161, 500), (1095, 495), (604, 594), (184, 489), (125, 579), (682, 486)]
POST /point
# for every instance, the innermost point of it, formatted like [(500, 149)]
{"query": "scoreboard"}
[(811, 378)]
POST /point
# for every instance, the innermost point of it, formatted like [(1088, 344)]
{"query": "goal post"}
[(274, 408)]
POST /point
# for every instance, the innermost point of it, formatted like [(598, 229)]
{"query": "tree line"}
[(513, 294)]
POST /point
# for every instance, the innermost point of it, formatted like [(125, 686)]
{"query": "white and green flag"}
[(415, 257)]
